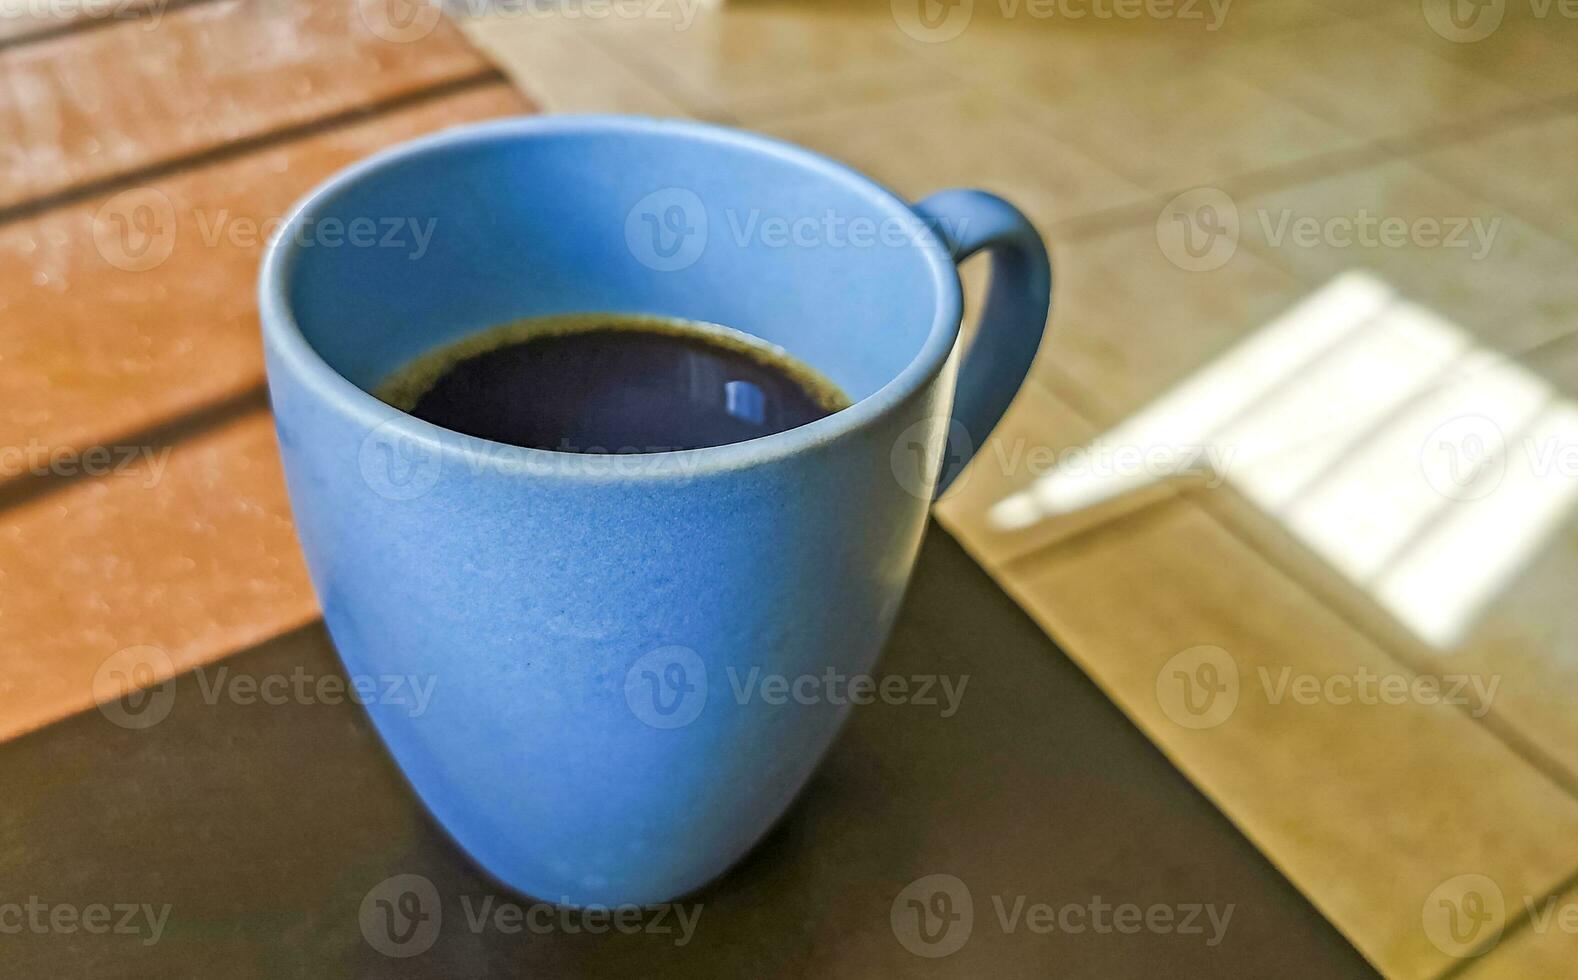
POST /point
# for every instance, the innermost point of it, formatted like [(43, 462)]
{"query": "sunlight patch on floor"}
[(1423, 467)]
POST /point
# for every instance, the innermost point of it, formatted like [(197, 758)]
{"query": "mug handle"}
[(1012, 321)]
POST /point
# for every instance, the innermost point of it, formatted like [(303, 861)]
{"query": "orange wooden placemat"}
[(144, 156)]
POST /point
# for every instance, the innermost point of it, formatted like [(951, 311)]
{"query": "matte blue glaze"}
[(579, 616)]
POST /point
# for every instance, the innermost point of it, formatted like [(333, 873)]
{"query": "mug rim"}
[(283, 334)]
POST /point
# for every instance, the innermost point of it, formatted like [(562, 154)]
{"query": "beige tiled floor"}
[(1196, 125), (931, 141), (1492, 273), (1127, 601), (1531, 48), (1359, 519), (1370, 82), (1130, 324), (1514, 165), (1039, 430)]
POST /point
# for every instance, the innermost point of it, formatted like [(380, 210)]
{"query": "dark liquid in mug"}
[(612, 384)]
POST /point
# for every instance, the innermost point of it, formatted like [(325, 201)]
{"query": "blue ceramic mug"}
[(585, 623)]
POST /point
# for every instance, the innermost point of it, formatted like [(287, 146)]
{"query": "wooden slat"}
[(121, 313), (187, 549), (87, 106)]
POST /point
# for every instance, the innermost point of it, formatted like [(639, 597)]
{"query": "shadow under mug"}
[(597, 632)]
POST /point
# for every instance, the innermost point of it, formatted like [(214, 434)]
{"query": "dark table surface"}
[(259, 839)]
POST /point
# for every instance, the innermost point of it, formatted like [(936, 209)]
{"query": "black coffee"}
[(614, 383)]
